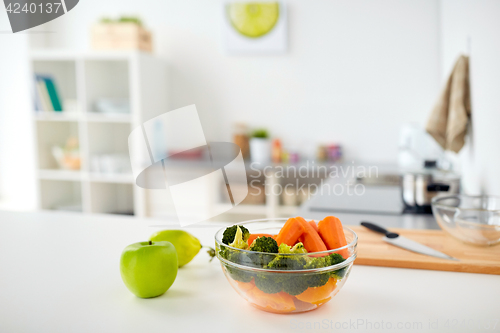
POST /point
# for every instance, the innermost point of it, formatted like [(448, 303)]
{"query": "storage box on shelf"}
[(126, 36), (105, 95)]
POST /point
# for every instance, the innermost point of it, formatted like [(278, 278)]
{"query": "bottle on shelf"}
[(276, 151)]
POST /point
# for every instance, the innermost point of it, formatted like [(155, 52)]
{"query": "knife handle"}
[(374, 227)]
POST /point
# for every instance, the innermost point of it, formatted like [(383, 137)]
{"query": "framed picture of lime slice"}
[(254, 27)]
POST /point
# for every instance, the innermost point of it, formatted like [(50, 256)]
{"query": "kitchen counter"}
[(60, 273)]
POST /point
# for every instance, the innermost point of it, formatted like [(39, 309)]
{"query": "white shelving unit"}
[(85, 77)]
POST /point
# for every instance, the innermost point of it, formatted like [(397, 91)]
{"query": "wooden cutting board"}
[(373, 251)]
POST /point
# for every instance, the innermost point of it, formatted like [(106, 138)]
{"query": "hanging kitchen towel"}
[(450, 116)]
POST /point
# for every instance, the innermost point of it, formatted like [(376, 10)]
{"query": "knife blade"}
[(405, 243)]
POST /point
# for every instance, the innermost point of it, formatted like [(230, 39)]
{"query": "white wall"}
[(479, 20), (355, 71), (17, 173)]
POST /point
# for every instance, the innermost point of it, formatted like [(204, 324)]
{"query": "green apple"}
[(148, 269), (187, 245)]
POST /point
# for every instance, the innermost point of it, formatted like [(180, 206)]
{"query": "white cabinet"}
[(85, 82)]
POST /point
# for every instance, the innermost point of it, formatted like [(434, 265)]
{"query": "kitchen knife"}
[(405, 243)]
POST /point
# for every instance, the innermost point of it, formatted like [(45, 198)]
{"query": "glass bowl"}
[(471, 219), (291, 288)]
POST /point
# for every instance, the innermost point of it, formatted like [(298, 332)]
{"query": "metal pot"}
[(418, 189)]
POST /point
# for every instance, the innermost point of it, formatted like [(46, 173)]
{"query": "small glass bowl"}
[(471, 219), (288, 289)]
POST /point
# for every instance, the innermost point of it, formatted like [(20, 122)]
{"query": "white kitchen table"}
[(59, 272)]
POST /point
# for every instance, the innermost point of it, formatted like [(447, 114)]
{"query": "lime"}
[(253, 19), (187, 245)]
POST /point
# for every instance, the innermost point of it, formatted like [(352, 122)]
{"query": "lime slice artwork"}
[(253, 19)]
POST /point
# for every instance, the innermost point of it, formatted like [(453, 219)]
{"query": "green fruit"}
[(254, 19), (148, 269), (187, 245)]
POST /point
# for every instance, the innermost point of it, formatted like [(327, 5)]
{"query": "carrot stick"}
[(314, 225), (310, 238), (290, 232), (332, 233), (253, 237)]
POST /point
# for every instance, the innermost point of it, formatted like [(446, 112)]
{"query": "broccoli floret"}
[(339, 274), (269, 283), (293, 284), (239, 274), (297, 248), (238, 257), (296, 284), (223, 252), (284, 248), (264, 244), (230, 232), (317, 279), (330, 260), (239, 241), (334, 259), (315, 262), (287, 262)]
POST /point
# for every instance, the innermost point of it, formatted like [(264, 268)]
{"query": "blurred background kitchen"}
[(334, 83)]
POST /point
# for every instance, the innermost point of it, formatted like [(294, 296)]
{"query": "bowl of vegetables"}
[(287, 265)]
